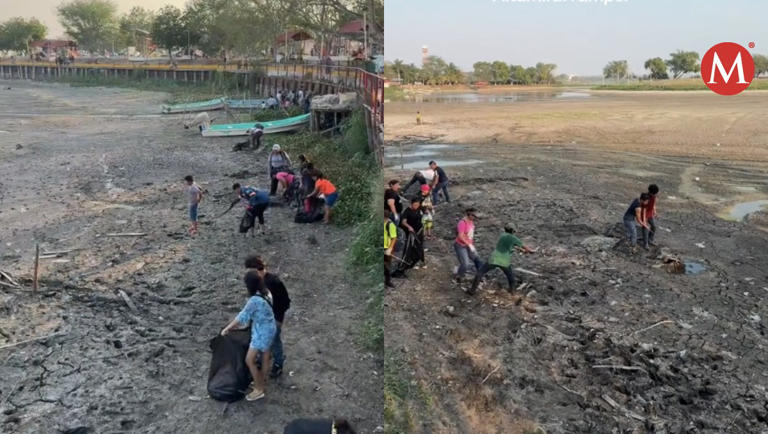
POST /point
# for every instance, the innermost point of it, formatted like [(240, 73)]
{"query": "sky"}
[(45, 10), (579, 36)]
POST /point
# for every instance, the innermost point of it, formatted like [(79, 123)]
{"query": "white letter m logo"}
[(736, 63)]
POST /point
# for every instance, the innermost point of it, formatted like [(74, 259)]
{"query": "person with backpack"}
[(255, 202), (281, 302), (258, 313), (278, 161)]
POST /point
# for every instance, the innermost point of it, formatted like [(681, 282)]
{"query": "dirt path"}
[(692, 346), (75, 179)]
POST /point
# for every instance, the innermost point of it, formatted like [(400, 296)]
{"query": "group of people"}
[(417, 223), (642, 214), (287, 99), (416, 220)]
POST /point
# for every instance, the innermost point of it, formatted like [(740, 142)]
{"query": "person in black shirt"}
[(281, 302), (439, 182), (634, 217), (392, 201), (411, 222)]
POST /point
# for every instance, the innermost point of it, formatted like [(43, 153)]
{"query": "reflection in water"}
[(441, 162), (473, 97), (692, 267)]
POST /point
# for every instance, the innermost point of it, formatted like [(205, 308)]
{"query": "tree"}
[(616, 69), (453, 74), (519, 75), (482, 71), (544, 72), (434, 71), (17, 33), (658, 68), (500, 72), (761, 64), (133, 25), (683, 62), (168, 29), (91, 23)]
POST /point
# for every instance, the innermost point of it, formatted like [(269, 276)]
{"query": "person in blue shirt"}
[(255, 202), (258, 313)]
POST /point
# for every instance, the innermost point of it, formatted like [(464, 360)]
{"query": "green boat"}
[(200, 106), (279, 126)]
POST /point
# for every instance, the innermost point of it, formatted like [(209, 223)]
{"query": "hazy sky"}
[(579, 37), (45, 10)]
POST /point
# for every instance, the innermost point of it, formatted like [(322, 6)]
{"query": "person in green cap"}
[(501, 257)]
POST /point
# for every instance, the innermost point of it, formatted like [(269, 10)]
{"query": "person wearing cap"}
[(278, 161), (464, 245), (501, 257), (427, 212)]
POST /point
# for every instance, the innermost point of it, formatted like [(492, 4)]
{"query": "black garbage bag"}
[(247, 222), (411, 255), (313, 214), (229, 377)]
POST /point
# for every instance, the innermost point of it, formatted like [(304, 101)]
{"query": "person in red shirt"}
[(650, 215), (324, 187)]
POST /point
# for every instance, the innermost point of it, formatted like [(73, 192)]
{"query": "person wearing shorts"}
[(327, 189), (258, 312), (194, 196)]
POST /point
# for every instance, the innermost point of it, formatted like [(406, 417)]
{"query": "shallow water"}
[(473, 97), (692, 267), (742, 210)]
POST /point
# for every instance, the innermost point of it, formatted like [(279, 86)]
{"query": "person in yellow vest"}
[(390, 239), (418, 118)]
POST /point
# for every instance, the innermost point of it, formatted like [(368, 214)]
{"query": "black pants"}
[(256, 140), (418, 177), (251, 215), (486, 267), (387, 270)]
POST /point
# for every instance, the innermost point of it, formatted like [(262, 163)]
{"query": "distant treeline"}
[(679, 64), (436, 71)]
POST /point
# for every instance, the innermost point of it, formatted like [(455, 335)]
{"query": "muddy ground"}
[(78, 164), (692, 348)]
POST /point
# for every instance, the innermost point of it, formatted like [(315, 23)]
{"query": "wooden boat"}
[(199, 106), (270, 127)]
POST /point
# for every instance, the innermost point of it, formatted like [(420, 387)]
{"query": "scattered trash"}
[(697, 179), (18, 146), (194, 398), (755, 318), (700, 245)]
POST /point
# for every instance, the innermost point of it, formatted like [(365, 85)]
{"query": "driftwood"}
[(489, 375), (37, 268), (668, 321), (523, 270), (6, 276), (127, 234), (128, 301), (40, 338)]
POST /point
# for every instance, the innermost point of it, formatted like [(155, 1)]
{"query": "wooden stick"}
[(9, 278), (620, 367), (128, 234), (37, 267), (128, 301), (655, 325), (58, 252), (489, 375), (523, 270), (31, 340)]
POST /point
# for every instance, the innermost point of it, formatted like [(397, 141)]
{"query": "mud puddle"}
[(693, 267), (742, 210)]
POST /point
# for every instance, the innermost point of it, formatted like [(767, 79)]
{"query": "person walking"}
[(278, 161), (635, 217), (501, 258), (439, 182), (464, 245)]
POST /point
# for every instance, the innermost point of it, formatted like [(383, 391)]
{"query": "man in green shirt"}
[(501, 258), (390, 239)]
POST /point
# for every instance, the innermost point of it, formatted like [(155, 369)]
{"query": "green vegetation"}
[(91, 22), (687, 84), (617, 69), (658, 68), (17, 33), (437, 72), (404, 400)]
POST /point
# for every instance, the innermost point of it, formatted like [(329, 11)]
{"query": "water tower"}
[(424, 54)]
